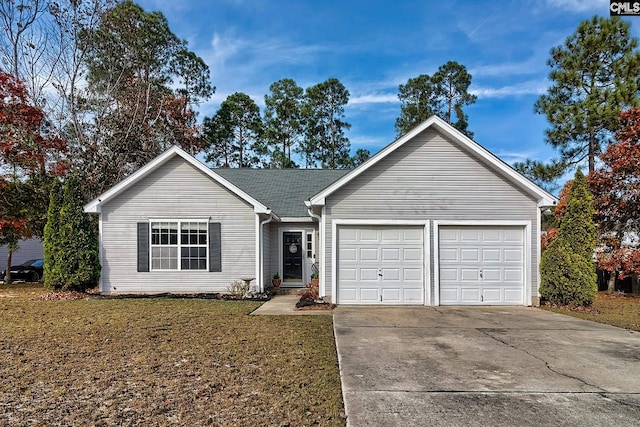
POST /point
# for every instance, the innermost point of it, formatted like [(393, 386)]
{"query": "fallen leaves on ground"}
[(616, 309), (163, 361)]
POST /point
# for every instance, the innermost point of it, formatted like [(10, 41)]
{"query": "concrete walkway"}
[(477, 366), (286, 305)]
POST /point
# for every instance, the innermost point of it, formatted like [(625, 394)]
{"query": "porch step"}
[(286, 291)]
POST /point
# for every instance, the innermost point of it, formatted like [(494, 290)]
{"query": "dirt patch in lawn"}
[(617, 309), (163, 361)]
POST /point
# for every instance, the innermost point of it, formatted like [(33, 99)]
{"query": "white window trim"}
[(179, 245)]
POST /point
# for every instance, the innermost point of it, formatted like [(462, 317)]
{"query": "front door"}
[(292, 256)]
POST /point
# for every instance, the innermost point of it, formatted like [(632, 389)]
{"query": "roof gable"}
[(94, 206), (489, 159)]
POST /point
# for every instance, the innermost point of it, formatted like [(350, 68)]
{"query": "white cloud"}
[(374, 98), (511, 157), (530, 66), (533, 87)]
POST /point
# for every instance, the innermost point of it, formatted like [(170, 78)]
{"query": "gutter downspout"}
[(320, 245), (261, 252)]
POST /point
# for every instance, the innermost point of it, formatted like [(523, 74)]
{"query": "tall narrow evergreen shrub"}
[(78, 250), (52, 274), (567, 266)]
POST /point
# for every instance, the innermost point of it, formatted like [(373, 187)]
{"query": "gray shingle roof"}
[(282, 190)]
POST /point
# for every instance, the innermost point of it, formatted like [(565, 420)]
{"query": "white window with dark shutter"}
[(179, 245)]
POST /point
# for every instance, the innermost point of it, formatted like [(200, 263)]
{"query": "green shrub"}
[(567, 277), (77, 256), (52, 274), (567, 267)]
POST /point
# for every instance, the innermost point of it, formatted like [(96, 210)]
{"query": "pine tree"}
[(78, 255), (567, 266), (52, 274)]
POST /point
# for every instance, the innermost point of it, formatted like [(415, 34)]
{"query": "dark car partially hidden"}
[(29, 271)]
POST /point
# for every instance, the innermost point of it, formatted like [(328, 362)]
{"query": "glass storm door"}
[(292, 256)]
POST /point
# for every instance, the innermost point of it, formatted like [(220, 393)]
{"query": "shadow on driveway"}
[(482, 366)]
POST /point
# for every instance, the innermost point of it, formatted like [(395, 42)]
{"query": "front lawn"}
[(620, 310), (162, 361)]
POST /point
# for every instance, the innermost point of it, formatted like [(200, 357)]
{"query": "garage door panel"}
[(481, 264), (491, 255), (413, 296), (491, 236), (348, 236), (448, 275), (349, 254), (391, 274), (370, 274), (369, 236), (387, 261), (470, 295), (469, 275), (368, 254), (448, 235), (469, 255), (469, 236), (369, 294), (391, 295), (413, 235), (491, 274), (412, 254), (391, 235), (514, 236), (390, 254), (513, 254), (448, 256), (491, 295), (348, 274), (513, 295), (513, 275), (349, 294)]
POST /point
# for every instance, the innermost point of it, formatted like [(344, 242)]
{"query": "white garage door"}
[(380, 265), (481, 265)]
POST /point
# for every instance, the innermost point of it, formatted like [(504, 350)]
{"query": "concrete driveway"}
[(475, 366)]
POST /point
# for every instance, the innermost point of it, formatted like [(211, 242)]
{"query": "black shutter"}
[(215, 247), (143, 246)]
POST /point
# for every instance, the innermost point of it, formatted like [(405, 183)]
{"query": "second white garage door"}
[(481, 265), (380, 265)]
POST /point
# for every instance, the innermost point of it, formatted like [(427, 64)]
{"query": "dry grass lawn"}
[(161, 361), (620, 310)]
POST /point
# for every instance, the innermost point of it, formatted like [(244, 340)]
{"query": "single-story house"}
[(432, 219)]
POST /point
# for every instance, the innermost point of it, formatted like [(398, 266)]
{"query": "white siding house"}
[(431, 219)]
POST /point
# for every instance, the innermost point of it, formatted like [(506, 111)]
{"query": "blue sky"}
[(373, 46)]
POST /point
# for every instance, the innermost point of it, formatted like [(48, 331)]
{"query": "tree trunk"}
[(635, 285), (592, 153), (611, 284), (7, 274)]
